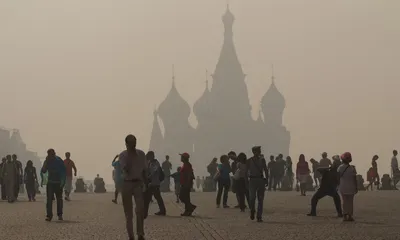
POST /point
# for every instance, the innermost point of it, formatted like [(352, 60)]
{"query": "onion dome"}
[(273, 99), (174, 104), (273, 103), (228, 18), (202, 106)]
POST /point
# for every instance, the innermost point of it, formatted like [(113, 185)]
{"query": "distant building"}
[(223, 113), (12, 143)]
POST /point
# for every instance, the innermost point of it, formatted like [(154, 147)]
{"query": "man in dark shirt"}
[(20, 173), (272, 173), (3, 185), (186, 180), (257, 167), (56, 170), (328, 187)]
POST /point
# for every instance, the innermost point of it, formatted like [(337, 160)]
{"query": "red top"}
[(69, 165), (186, 171), (302, 168)]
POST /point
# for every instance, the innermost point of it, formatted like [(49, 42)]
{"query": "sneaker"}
[(226, 206), (160, 214), (48, 219), (311, 214), (259, 220), (114, 201), (60, 218), (252, 213), (185, 214), (34, 199)]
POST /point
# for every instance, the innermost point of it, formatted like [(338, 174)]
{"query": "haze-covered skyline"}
[(78, 76)]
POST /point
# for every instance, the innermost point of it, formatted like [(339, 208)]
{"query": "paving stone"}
[(94, 216)]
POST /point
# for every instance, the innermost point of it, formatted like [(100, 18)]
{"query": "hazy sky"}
[(79, 75)]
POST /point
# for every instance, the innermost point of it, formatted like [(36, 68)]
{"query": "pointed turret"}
[(273, 105), (174, 105), (202, 107), (157, 139)]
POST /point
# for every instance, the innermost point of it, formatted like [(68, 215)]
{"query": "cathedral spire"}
[(156, 140)]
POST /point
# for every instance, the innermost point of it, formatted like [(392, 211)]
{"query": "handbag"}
[(236, 176)]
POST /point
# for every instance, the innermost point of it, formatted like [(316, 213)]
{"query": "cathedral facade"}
[(223, 114)]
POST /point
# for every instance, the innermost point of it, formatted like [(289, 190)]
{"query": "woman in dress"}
[(347, 185), (302, 174), (30, 180)]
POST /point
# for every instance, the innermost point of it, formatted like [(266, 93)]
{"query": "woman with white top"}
[(347, 186)]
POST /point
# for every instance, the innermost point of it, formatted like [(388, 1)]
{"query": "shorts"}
[(177, 188)]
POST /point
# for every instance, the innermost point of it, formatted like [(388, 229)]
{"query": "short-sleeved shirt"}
[(186, 174), (325, 162), (347, 174), (225, 171), (256, 167), (133, 165)]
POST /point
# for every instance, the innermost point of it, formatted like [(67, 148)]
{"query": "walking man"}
[(155, 175), (187, 177), (3, 185), (20, 174), (69, 165), (9, 174), (257, 166), (134, 167), (395, 169), (55, 168)]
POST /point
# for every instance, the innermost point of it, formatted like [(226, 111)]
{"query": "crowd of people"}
[(13, 177), (141, 175)]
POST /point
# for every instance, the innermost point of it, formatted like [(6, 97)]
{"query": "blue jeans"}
[(257, 189)]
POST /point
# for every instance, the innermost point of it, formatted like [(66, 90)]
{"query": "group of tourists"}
[(13, 178)]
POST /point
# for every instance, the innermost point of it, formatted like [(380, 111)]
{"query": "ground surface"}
[(93, 216)]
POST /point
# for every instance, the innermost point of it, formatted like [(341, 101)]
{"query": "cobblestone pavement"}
[(94, 216)]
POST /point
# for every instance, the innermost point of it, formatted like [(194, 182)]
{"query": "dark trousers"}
[(51, 190), (16, 189), (30, 189), (242, 193), (150, 192), (273, 182), (322, 193), (257, 191), (3, 192), (184, 195), (223, 185)]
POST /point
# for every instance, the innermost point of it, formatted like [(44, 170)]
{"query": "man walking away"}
[(134, 169), (9, 175), (20, 174), (69, 165), (117, 177), (55, 168), (257, 166), (155, 173), (272, 173), (328, 187), (187, 177)]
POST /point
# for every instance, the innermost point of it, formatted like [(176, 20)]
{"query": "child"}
[(176, 176), (370, 178)]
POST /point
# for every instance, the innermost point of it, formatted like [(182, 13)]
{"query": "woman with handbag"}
[(347, 186), (223, 179)]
